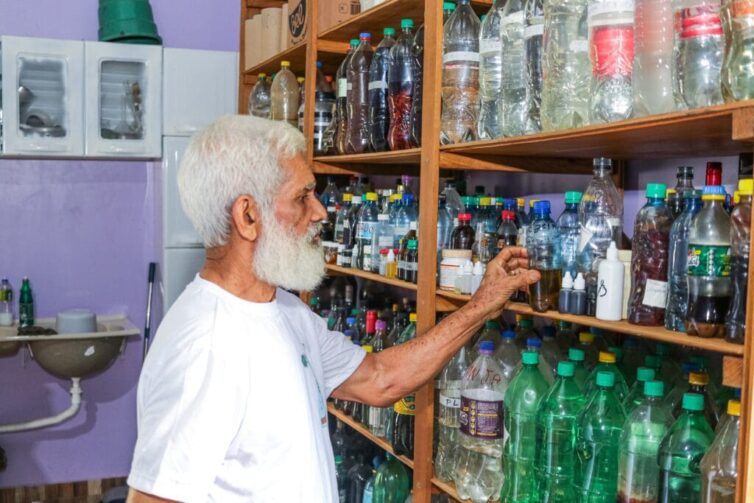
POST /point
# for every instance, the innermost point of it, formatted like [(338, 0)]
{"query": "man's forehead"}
[(299, 173)]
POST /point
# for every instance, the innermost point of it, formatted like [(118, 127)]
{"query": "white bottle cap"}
[(412, 225), (580, 282), (468, 268), (391, 255), (567, 283), (612, 252), (478, 269)]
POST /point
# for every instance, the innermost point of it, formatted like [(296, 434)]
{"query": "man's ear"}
[(245, 217)]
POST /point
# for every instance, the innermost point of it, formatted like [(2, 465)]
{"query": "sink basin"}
[(75, 355)]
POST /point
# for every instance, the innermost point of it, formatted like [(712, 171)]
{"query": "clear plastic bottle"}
[(607, 362), (301, 103), (379, 118), (449, 407), (534, 24), (719, 465), (738, 74), (677, 302), (357, 106), (506, 231), (479, 471), (684, 183), (566, 71), (341, 101), (513, 105), (591, 352), (284, 94), (377, 420), (636, 394), (507, 354), (324, 113), (653, 56), (259, 98), (367, 221), (698, 53), (649, 260), (709, 266), (543, 246), (460, 76), (341, 219), (740, 235), (568, 227), (401, 434), (402, 79), (485, 232), (490, 73)]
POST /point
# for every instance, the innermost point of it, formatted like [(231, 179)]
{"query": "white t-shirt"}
[(231, 401)]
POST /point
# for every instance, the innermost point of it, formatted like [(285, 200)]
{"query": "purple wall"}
[(84, 232)]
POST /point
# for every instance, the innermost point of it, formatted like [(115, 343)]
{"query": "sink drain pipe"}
[(71, 411)]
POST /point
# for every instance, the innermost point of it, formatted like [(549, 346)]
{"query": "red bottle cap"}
[(371, 320), (508, 215), (464, 217), (714, 173)]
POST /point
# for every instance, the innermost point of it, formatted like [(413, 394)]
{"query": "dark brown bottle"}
[(462, 237)]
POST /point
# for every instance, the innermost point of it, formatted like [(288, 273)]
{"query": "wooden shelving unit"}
[(721, 130), (338, 270)]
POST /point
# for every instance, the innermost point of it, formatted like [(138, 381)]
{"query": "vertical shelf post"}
[(310, 76)]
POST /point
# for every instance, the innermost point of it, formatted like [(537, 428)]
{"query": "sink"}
[(75, 355)]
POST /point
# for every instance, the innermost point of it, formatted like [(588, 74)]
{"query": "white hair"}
[(233, 156)]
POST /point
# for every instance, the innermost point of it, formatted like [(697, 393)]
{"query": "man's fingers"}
[(508, 253)]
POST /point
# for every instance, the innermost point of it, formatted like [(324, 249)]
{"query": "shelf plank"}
[(409, 156), (654, 333), (296, 54), (448, 488), (347, 271), (263, 4), (380, 442), (386, 14)]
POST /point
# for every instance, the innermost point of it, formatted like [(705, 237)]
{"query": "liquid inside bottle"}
[(738, 74), (735, 325), (533, 44), (378, 83), (490, 73), (341, 102), (653, 56), (357, 94), (544, 249), (284, 95), (259, 99), (402, 77), (513, 104)]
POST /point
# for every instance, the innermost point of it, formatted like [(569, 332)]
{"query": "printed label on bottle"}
[(349, 86), (709, 260), (487, 46), (385, 242), (481, 418), (611, 7), (450, 402), (534, 30), (406, 406), (332, 209), (516, 17), (342, 88), (655, 293), (377, 84), (461, 57), (612, 50)]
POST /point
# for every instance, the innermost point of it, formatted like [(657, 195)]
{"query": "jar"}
[(324, 107), (331, 252), (450, 267)]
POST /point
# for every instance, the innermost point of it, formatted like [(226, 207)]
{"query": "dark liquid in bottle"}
[(706, 315), (544, 294), (735, 325), (622, 498), (400, 100), (403, 435)]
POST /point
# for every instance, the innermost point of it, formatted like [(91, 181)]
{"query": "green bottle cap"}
[(663, 349), (645, 374), (338, 459), (407, 23), (412, 244), (656, 190), (355, 311), (572, 197), (484, 16), (388, 32), (618, 352), (698, 360), (530, 358), (566, 369), (526, 323), (576, 355), (652, 361), (492, 324), (565, 325), (354, 42), (605, 379), (654, 388), (693, 402), (448, 6)]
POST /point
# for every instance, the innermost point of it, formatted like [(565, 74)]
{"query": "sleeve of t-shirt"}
[(340, 357), (187, 420)]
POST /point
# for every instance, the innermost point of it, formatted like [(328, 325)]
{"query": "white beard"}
[(287, 261)]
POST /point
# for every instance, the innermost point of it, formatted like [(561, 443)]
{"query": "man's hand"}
[(506, 273)]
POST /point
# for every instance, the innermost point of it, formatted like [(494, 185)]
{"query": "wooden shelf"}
[(263, 4), (296, 54), (347, 271), (380, 442), (448, 488), (386, 14), (392, 157)]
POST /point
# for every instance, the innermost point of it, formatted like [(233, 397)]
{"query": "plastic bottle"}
[(709, 266), (719, 465), (580, 373), (301, 104), (740, 234), (368, 495), (490, 73), (460, 76), (513, 104), (610, 286), (698, 53), (611, 39), (6, 303), (591, 352), (402, 82), (367, 221), (565, 65), (555, 445), (521, 400), (568, 226), (341, 101), (379, 119), (284, 94), (566, 292), (607, 363), (506, 231), (577, 302), (543, 246), (391, 482), (449, 406), (653, 57), (551, 353), (462, 237), (358, 477), (649, 260), (636, 394), (599, 430), (259, 98), (507, 354), (357, 94), (341, 477), (402, 435), (533, 42), (478, 473), (737, 74), (25, 304), (698, 383), (684, 183), (681, 451), (565, 336), (643, 431)]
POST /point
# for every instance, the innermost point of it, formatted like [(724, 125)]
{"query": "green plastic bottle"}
[(643, 431), (636, 393), (580, 374), (521, 400), (490, 332), (654, 362), (681, 453), (524, 329), (565, 336), (670, 367), (607, 363), (720, 464), (391, 484), (25, 304), (599, 429), (556, 438), (698, 383)]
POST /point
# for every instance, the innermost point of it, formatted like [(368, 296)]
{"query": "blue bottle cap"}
[(350, 320), (487, 347), (534, 342), (365, 35), (542, 208), (509, 334), (408, 198), (713, 190)]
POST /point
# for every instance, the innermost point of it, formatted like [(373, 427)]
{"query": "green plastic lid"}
[(698, 360), (566, 369), (662, 349), (530, 358), (526, 323), (354, 42), (572, 197), (491, 324), (484, 16), (652, 361), (407, 23), (355, 311), (338, 459), (693, 402), (564, 324), (388, 32), (656, 190), (654, 388), (448, 6), (412, 244), (618, 352), (645, 374), (576, 355), (605, 379)]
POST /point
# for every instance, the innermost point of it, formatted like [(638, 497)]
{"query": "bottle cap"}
[(656, 190), (384, 251), (380, 325), (388, 32), (534, 342), (644, 374), (586, 337), (564, 325), (542, 208), (487, 347), (714, 173), (698, 378), (485, 201), (612, 252), (354, 42), (530, 358), (654, 388), (602, 163), (566, 369), (448, 6), (262, 75), (347, 197), (464, 217), (300, 80), (390, 255), (412, 317), (576, 355), (699, 361), (579, 283), (365, 35), (746, 187), (605, 379), (338, 459), (734, 408), (567, 283), (411, 244), (492, 324), (693, 402), (520, 201), (407, 23), (285, 64), (653, 361), (607, 357), (736, 197), (371, 315), (548, 331), (533, 201), (573, 197), (350, 320), (508, 334), (713, 193), (507, 215), (525, 323), (368, 348), (356, 200), (669, 192), (372, 196), (618, 352)]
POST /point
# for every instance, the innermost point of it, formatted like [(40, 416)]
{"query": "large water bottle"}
[(460, 76), (367, 221), (340, 132), (479, 470), (259, 98), (357, 105), (513, 85), (611, 37), (653, 56), (284, 96), (378, 110), (738, 74), (507, 354), (740, 235), (402, 75), (391, 482), (449, 407), (566, 71), (719, 465), (568, 226), (534, 25), (543, 246), (490, 73), (698, 53)]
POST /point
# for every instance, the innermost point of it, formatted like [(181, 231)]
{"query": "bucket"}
[(127, 21)]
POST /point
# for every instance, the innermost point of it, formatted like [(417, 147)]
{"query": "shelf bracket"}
[(742, 128)]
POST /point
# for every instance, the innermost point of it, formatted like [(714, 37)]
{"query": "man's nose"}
[(319, 213)]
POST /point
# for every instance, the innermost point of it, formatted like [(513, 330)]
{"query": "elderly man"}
[(231, 400)]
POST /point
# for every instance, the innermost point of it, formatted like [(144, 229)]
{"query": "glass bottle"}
[(490, 73), (513, 104), (402, 434), (685, 183), (534, 24), (738, 75), (653, 58), (357, 94), (341, 101), (449, 406), (462, 237), (379, 119), (740, 235), (568, 227), (402, 81), (259, 98), (719, 465), (284, 94), (543, 247)]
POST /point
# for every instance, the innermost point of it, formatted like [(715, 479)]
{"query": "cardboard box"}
[(332, 12), (296, 21)]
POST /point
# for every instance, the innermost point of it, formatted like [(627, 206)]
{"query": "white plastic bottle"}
[(284, 96), (610, 278)]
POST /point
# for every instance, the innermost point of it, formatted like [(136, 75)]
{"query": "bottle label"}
[(612, 50), (488, 47), (450, 402), (406, 406), (655, 293), (515, 18), (481, 418), (613, 12), (460, 57), (585, 236), (342, 88), (377, 84), (385, 242), (709, 260), (534, 30)]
